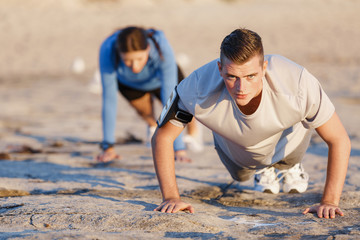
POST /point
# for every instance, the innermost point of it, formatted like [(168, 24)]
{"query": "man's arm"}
[(335, 136), (163, 155)]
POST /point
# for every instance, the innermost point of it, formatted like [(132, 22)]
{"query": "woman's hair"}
[(131, 39), (135, 39), (241, 45)]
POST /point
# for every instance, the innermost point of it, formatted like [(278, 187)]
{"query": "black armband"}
[(172, 111)]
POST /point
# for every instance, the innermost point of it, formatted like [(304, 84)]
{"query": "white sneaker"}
[(194, 144), (295, 179), (266, 181)]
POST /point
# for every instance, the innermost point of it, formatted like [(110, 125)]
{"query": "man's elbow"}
[(153, 138), (342, 142), (347, 143)]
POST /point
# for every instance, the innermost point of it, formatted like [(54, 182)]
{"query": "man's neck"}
[(251, 107)]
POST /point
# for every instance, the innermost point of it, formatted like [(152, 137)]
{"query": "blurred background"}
[(49, 49), (42, 38)]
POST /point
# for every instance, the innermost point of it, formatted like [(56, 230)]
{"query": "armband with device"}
[(172, 111)]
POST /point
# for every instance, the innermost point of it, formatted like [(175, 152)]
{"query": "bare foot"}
[(108, 155)]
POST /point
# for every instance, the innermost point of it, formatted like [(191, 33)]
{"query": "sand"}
[(50, 124)]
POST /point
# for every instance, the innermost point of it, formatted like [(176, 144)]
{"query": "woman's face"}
[(135, 60)]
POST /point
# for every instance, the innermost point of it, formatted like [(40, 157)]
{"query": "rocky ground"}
[(50, 125)]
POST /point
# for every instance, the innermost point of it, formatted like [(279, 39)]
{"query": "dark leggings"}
[(132, 94)]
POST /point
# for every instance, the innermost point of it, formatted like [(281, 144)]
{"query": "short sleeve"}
[(187, 90), (186, 102), (316, 105)]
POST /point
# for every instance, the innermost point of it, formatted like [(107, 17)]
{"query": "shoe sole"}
[(293, 191), (268, 191)]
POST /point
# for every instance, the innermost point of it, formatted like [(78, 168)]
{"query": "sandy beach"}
[(50, 122)]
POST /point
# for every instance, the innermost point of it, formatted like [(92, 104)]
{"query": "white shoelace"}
[(296, 170), (267, 175)]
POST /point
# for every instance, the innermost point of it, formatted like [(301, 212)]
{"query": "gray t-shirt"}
[(292, 103)]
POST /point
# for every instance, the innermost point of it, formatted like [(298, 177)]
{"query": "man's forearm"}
[(164, 161), (336, 173)]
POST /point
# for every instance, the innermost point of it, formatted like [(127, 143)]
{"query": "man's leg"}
[(237, 173), (265, 179), (291, 171), (295, 179), (297, 155)]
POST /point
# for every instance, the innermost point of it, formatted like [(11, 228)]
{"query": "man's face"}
[(135, 60), (243, 81)]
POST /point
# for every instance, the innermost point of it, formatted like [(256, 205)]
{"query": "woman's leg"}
[(141, 101), (145, 108)]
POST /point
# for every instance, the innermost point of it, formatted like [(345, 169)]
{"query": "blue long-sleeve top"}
[(157, 73)]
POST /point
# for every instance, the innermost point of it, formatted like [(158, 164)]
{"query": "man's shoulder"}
[(278, 62), (202, 87), (203, 81), (209, 69), (283, 75), (208, 77)]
